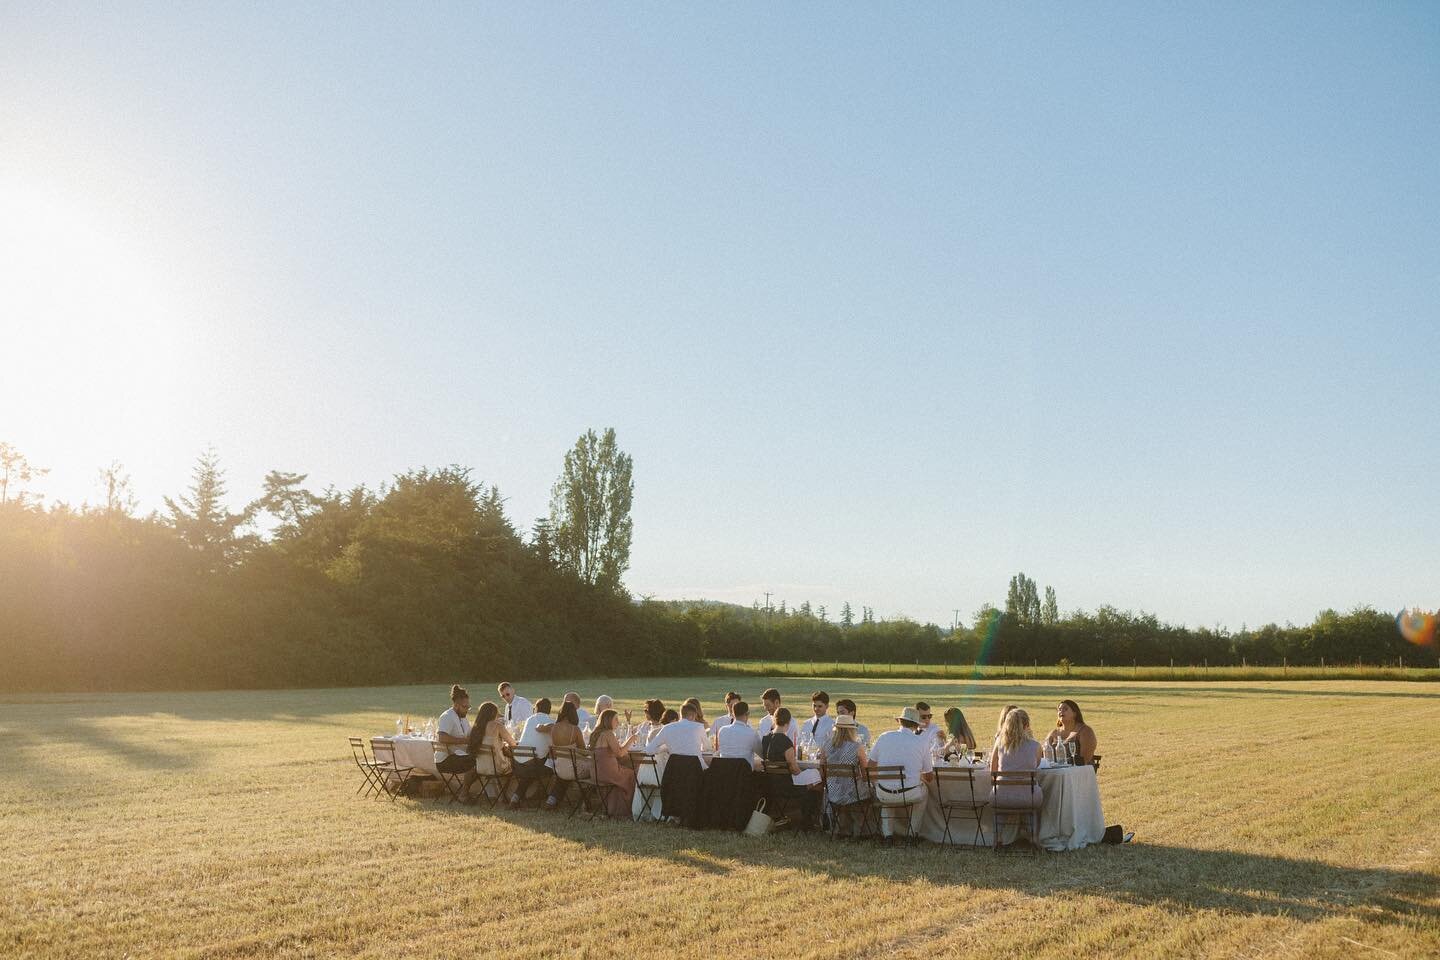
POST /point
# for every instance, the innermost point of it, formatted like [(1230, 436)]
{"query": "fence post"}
[(1285, 666), (1134, 669)]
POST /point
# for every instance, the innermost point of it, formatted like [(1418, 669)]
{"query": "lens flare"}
[(1418, 626)]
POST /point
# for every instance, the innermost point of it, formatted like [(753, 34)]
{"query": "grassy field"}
[(1276, 819), (1411, 670)]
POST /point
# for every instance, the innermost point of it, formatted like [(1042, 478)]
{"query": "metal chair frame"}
[(519, 755), (863, 804), (484, 780), (594, 792), (891, 774), (648, 792), (948, 808), (454, 783), (1027, 817), (386, 769), (366, 762)]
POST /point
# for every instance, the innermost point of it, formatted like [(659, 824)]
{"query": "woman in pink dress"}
[(609, 751)]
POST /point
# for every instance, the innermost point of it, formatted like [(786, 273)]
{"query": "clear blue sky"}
[(887, 302)]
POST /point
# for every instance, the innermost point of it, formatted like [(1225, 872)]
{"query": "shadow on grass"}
[(1171, 877)]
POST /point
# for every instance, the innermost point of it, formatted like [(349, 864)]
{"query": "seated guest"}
[(583, 717), (902, 748), (1070, 727), (818, 727), (452, 737), (609, 752), (566, 733), (771, 699), (489, 741), (683, 742), (530, 774), (1016, 749), (654, 712), (738, 740), (517, 708), (844, 748), (1000, 726), (802, 784), (730, 794), (603, 703), (846, 708), (731, 699), (927, 729), (962, 738), (699, 710), (649, 776)]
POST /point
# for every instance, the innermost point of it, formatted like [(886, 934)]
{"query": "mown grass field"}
[(1273, 819)]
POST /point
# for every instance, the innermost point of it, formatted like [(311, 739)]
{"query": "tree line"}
[(425, 578)]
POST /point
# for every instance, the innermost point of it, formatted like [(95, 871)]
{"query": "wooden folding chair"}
[(593, 791), (489, 761), (862, 804), (1008, 810), (366, 762), (778, 790), (522, 755), (390, 775), (647, 783), (891, 780), (954, 789), (454, 783), (567, 776)]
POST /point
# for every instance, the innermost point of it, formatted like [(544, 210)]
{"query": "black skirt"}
[(680, 789), (729, 794)]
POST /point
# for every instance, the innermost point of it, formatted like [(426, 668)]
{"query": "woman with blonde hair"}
[(609, 751), (1016, 750), (843, 792), (1000, 726)]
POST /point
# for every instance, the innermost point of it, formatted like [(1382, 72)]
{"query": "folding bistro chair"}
[(647, 784), (1095, 762), (454, 783), (954, 789), (488, 764), (1009, 810), (366, 763), (891, 780), (862, 804), (390, 775), (523, 755), (593, 791), (778, 796), (567, 776)]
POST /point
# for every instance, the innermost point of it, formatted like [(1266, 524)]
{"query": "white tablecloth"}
[(414, 751), (1070, 817)]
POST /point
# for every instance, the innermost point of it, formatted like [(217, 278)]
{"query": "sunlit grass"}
[(1273, 819)]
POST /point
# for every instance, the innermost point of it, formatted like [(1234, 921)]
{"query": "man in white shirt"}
[(738, 740), (517, 709), (902, 748), (680, 787), (771, 699), (731, 699), (452, 755), (533, 772), (819, 727), (846, 708)]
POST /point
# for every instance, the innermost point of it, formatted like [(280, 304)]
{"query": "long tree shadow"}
[(1174, 877)]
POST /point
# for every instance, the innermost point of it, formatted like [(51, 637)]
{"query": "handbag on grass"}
[(760, 821)]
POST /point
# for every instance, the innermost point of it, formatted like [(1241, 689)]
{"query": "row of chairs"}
[(953, 788)]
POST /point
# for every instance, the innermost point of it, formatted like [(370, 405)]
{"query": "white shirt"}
[(901, 748), (719, 724), (737, 740), (768, 724), (587, 719), (861, 731), (531, 735), (819, 728), (518, 710), (683, 738), (457, 726)]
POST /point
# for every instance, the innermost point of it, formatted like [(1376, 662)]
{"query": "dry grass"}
[(1274, 819)]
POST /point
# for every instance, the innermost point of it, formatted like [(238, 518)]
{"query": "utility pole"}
[(767, 611), (955, 624)]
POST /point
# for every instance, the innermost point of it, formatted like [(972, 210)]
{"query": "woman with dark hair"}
[(1070, 727), (566, 733), (669, 716), (962, 738), (609, 751), (654, 720), (489, 740), (802, 785)]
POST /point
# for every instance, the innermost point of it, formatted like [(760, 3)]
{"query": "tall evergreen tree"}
[(847, 616), (201, 520)]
